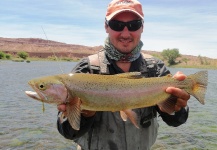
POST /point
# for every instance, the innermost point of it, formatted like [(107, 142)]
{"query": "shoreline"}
[(211, 67)]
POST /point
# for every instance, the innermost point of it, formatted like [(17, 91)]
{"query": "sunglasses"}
[(119, 25)]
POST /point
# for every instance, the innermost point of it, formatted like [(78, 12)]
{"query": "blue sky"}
[(189, 25)]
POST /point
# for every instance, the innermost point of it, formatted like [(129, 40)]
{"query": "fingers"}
[(62, 108), (182, 94), (179, 76), (182, 97), (180, 104)]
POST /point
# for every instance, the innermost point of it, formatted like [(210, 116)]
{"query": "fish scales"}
[(119, 92), (110, 93)]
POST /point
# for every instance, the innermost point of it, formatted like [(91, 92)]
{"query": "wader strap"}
[(97, 62), (151, 65), (145, 56)]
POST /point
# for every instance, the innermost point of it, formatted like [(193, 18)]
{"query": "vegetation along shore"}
[(32, 49)]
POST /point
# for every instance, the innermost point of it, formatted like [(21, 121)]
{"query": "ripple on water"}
[(24, 125)]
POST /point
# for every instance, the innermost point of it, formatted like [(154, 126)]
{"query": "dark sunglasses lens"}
[(116, 25), (134, 25), (119, 26)]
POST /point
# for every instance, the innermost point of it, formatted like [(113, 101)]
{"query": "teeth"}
[(125, 41)]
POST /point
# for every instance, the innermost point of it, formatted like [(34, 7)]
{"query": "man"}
[(121, 53)]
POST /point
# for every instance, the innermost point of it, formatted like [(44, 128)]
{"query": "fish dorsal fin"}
[(169, 75), (130, 75), (73, 111)]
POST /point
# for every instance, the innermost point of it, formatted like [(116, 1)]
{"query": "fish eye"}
[(41, 86)]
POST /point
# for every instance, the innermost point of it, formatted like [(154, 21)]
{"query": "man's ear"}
[(106, 28), (142, 28)]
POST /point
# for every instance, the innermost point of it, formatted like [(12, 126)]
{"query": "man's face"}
[(125, 41)]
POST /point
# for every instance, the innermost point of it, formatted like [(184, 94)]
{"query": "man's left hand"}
[(182, 96)]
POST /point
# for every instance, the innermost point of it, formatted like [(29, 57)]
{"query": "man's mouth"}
[(125, 41)]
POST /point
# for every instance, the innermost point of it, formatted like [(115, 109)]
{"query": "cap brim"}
[(120, 11)]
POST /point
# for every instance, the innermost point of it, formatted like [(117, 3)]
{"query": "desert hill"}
[(44, 48)]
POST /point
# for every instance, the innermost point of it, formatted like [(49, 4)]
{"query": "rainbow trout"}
[(121, 92)]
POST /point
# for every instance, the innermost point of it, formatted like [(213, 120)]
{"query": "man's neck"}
[(125, 66)]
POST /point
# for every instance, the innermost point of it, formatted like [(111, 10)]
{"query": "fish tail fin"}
[(200, 80), (131, 115), (73, 111)]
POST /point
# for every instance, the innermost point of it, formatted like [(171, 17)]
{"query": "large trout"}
[(121, 92)]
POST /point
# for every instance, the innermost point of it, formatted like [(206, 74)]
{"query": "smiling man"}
[(122, 53)]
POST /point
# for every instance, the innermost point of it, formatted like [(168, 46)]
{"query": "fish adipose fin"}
[(200, 84), (73, 111), (131, 115)]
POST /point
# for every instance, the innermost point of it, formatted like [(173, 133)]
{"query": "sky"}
[(189, 25)]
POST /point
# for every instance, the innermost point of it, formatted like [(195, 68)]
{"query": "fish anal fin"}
[(168, 105), (73, 111), (132, 116)]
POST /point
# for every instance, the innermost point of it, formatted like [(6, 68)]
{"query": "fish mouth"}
[(33, 95), (36, 94)]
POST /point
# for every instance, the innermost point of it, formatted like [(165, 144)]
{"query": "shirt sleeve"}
[(65, 128), (179, 117), (68, 132)]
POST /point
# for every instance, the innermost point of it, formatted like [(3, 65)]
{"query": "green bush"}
[(23, 55), (2, 55), (8, 56), (170, 55)]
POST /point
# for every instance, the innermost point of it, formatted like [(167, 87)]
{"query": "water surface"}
[(24, 125)]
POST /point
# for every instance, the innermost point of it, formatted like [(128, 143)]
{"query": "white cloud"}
[(187, 25)]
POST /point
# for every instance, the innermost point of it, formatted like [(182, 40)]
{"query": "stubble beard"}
[(125, 45)]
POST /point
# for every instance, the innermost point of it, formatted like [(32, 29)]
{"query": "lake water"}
[(24, 125)]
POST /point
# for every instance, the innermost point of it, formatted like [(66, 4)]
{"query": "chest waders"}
[(97, 65)]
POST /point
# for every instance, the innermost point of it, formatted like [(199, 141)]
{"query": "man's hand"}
[(182, 96), (85, 113)]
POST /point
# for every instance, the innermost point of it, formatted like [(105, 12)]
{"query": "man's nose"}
[(125, 33)]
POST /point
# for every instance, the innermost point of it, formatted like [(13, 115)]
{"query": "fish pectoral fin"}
[(168, 105), (123, 115), (73, 111), (130, 75), (132, 116)]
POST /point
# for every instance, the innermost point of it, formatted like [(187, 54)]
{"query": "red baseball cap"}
[(118, 6)]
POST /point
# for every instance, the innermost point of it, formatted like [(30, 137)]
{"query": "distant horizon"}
[(102, 46), (188, 25)]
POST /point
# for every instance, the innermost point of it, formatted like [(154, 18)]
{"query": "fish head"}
[(48, 90)]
